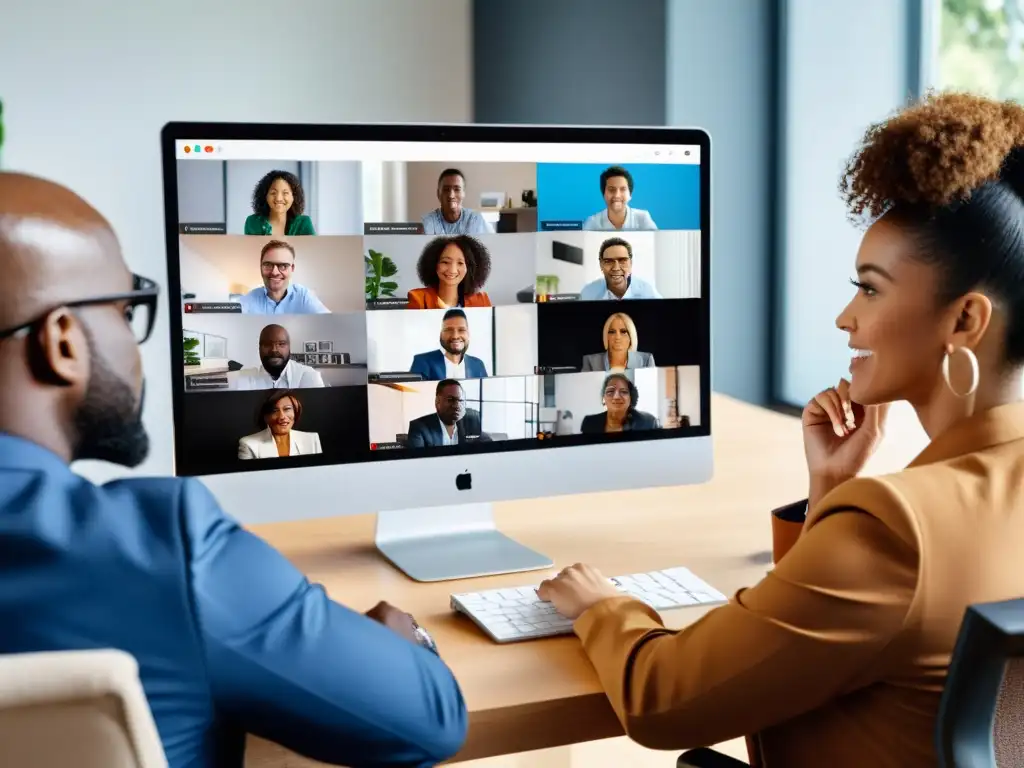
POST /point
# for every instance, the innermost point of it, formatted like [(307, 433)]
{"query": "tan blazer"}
[(262, 446), (838, 656)]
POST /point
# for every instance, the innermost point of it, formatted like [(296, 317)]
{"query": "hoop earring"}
[(975, 374)]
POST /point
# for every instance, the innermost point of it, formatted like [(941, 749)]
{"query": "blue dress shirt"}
[(230, 638), (637, 289), (298, 300), (470, 223)]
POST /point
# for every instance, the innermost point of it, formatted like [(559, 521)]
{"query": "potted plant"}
[(191, 356), (378, 269)]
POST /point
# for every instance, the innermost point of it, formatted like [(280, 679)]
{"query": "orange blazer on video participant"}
[(453, 271), (427, 298)]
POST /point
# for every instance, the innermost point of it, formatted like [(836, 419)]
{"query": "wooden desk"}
[(544, 693)]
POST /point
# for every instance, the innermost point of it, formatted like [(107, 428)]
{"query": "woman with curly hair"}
[(453, 271), (839, 655), (278, 205)]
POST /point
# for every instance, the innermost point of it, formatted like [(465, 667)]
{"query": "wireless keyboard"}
[(516, 613)]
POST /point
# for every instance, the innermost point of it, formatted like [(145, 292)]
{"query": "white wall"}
[(396, 335), (88, 87), (515, 333), (510, 406), (818, 246), (336, 200), (510, 178), (512, 258), (215, 266), (348, 332), (677, 267)]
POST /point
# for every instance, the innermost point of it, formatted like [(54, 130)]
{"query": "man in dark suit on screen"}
[(451, 360), (451, 424)]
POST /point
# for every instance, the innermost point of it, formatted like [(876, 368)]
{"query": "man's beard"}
[(447, 347), (277, 368), (108, 422)]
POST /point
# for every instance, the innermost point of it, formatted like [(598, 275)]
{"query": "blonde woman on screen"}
[(620, 343), (278, 415)]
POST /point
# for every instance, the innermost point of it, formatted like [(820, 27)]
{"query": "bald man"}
[(278, 371), (230, 638)]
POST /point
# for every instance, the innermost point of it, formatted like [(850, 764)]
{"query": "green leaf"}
[(388, 285), (388, 267)]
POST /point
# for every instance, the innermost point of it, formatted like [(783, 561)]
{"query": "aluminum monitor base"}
[(445, 543)]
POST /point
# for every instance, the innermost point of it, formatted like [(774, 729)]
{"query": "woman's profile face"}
[(282, 417), (894, 322), (618, 335), (616, 396), (279, 196), (451, 267)]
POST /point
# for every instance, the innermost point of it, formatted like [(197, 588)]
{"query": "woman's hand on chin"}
[(839, 437)]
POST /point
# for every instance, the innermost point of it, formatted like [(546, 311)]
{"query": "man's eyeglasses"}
[(139, 309)]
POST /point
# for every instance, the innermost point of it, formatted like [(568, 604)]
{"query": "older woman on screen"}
[(281, 411), (453, 271), (278, 203), (619, 396), (620, 342)]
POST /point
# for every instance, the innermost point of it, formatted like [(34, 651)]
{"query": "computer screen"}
[(353, 296)]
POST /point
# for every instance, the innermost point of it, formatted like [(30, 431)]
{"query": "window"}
[(981, 47)]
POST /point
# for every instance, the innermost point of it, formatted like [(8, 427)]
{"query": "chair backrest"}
[(981, 714), (76, 708)]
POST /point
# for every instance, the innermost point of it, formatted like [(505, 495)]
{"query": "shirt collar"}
[(19, 453), (996, 426), (286, 374)]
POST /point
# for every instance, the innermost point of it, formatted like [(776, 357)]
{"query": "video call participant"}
[(451, 361), (452, 218), (278, 203), (620, 344), (617, 189), (229, 636), (619, 397), (839, 655), (451, 424), (453, 271), (277, 437), (280, 295), (278, 371), (616, 260)]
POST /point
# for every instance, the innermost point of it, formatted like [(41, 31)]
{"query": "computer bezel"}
[(469, 459)]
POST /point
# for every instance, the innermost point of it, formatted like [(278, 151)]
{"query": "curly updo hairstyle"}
[(259, 194), (478, 263), (949, 171)]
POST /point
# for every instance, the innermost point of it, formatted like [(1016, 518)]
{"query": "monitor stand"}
[(457, 542)]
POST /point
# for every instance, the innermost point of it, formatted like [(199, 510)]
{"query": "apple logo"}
[(464, 482)]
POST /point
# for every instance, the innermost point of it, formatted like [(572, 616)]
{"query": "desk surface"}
[(544, 693)]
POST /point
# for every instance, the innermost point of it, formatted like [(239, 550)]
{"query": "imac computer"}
[(421, 320)]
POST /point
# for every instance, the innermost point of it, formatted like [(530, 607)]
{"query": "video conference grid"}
[(485, 313)]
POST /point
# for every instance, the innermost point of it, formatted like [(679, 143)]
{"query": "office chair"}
[(81, 708), (981, 713)]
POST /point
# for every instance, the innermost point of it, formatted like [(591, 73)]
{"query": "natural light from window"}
[(981, 47)]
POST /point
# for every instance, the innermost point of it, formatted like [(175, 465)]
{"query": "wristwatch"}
[(423, 637)]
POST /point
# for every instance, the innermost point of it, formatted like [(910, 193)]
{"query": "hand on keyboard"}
[(518, 613), (576, 589)]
